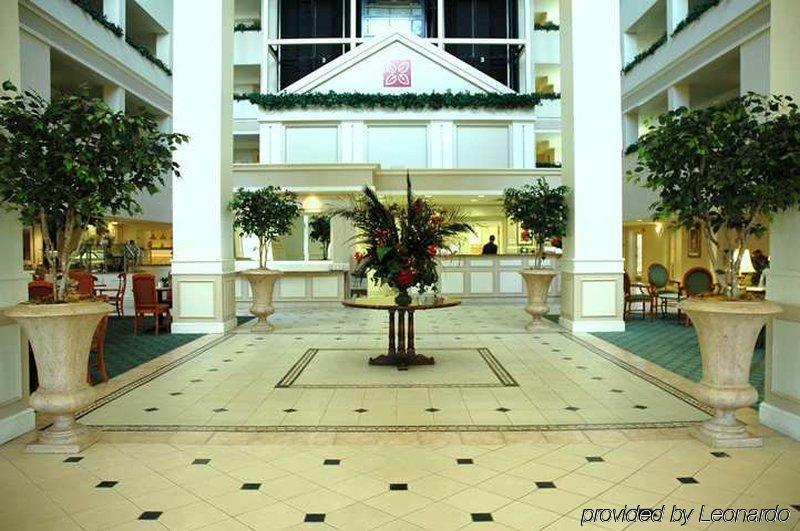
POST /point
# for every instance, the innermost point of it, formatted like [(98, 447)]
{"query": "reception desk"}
[(491, 276), (316, 281)]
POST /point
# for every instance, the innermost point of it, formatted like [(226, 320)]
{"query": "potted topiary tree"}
[(541, 210), (266, 213), (727, 170), (320, 231), (65, 164)]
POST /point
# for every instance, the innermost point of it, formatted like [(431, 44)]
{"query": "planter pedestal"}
[(61, 336), (262, 284), (537, 283), (727, 332)]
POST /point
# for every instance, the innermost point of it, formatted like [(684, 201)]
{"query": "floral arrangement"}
[(401, 242)]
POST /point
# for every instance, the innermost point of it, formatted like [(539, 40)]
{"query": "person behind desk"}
[(491, 247)]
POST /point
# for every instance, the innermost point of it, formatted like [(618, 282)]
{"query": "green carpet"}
[(674, 347)]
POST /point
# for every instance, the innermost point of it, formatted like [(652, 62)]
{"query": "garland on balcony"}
[(247, 26), (98, 16), (645, 54), (407, 101), (694, 14), (147, 55), (547, 26), (548, 164), (101, 19)]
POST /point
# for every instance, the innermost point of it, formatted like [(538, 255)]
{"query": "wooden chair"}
[(697, 281), (660, 286), (98, 347), (39, 290), (116, 296), (145, 300), (632, 298), (85, 282)]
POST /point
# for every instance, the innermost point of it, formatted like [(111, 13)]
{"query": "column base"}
[(79, 439), (735, 437), (262, 327), (203, 303), (591, 302)]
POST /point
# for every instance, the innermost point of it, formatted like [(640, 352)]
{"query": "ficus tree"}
[(727, 170), (539, 208), (266, 213), (320, 231), (69, 162)]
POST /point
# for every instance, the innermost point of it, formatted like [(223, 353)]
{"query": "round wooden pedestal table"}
[(402, 352)]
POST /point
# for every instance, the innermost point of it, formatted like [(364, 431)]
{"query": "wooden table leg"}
[(402, 351), (392, 350), (401, 332), (410, 349)]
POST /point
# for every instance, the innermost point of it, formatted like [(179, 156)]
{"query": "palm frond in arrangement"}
[(402, 242)]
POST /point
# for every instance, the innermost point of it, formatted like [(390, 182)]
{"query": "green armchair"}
[(664, 290)]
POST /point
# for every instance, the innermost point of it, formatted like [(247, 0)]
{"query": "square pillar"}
[(679, 96), (203, 263), (35, 64), (630, 128), (16, 416), (592, 266), (780, 409), (754, 65), (114, 97), (114, 10), (164, 48), (676, 12)]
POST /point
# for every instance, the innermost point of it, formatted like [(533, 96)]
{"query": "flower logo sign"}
[(397, 73)]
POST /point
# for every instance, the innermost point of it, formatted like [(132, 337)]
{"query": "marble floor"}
[(510, 430)]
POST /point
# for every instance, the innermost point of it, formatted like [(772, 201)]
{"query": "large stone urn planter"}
[(61, 336), (262, 284), (537, 283), (727, 332)]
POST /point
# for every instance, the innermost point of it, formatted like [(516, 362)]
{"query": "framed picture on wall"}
[(693, 250)]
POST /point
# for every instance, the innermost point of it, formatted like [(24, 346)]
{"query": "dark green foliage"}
[(540, 209), (147, 55), (67, 163), (645, 54), (726, 169), (266, 213), (402, 241), (406, 101), (632, 148), (99, 17), (320, 231), (247, 26), (695, 14), (547, 26)]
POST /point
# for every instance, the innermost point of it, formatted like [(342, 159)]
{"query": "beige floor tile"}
[(398, 503), (319, 501), (524, 517), (360, 487), (108, 515), (275, 516), (241, 501), (439, 516), (556, 500), (160, 500), (192, 516), (476, 500), (357, 516)]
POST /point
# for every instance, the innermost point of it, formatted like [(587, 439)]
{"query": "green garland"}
[(694, 14), (147, 55), (632, 148), (645, 54), (407, 101), (548, 164), (547, 26), (99, 17), (247, 26)]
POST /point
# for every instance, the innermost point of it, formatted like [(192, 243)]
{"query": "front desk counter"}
[(491, 276), (316, 281)]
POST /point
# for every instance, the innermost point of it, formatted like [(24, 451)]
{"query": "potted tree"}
[(266, 213), (65, 164), (541, 211), (726, 170), (320, 231)]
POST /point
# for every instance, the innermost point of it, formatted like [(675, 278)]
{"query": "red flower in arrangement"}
[(526, 235), (436, 219), (405, 277), (432, 250), (358, 257), (555, 241)]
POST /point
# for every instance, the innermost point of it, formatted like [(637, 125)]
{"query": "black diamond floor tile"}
[(465, 461), (688, 480), (545, 485), (572, 408), (106, 484), (290, 410), (594, 459), (720, 454), (482, 517), (315, 517), (503, 409), (639, 406), (616, 391), (177, 393), (201, 461), (251, 486), (398, 486), (150, 409), (72, 459), (431, 410), (150, 515), (360, 410), (332, 462), (220, 410)]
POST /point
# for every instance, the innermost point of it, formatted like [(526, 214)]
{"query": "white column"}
[(676, 12), (679, 96), (781, 407), (266, 57), (629, 47), (203, 265), (35, 64), (754, 65), (630, 128), (164, 48), (354, 14), (114, 10), (440, 22), (16, 417), (114, 97), (591, 139)]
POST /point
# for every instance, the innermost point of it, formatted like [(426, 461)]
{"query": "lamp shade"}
[(746, 266)]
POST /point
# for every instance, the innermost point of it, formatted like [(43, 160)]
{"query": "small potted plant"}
[(402, 242), (320, 231), (726, 170), (65, 164), (541, 211), (266, 213)]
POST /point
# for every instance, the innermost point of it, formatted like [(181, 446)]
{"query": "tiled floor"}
[(309, 381), (219, 468)]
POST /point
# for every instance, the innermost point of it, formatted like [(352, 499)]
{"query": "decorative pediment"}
[(395, 64)]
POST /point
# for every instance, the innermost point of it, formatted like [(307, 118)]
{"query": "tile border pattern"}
[(503, 376)]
